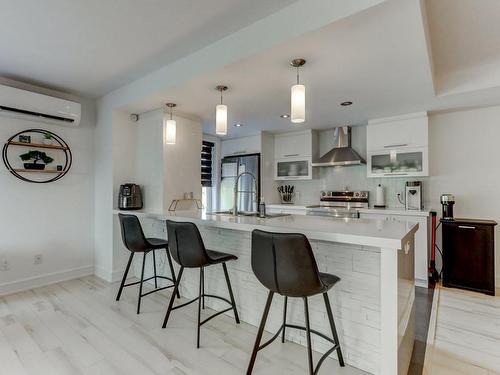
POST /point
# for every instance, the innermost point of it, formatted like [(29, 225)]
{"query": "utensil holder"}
[(287, 198)]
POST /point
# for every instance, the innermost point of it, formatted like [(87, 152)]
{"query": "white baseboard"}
[(110, 277), (421, 283), (43, 280)]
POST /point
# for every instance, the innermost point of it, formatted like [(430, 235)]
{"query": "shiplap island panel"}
[(373, 304)]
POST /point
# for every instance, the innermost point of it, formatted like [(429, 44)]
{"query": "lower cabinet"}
[(469, 255), (422, 242)]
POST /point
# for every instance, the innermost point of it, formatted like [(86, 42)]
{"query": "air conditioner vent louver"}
[(36, 114), (38, 107)]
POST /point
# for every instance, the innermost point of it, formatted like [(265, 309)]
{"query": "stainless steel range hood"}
[(342, 153)]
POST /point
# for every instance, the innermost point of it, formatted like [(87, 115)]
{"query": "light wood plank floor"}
[(465, 337), (76, 327)]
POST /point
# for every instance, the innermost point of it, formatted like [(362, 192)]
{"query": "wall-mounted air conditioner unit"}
[(38, 107)]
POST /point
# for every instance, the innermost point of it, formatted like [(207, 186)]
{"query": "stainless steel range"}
[(343, 204)]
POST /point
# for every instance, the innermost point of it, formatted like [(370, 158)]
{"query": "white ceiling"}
[(379, 59), (91, 47), (465, 39)]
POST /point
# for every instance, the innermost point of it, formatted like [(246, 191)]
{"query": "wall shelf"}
[(38, 176), (38, 171), (37, 145)]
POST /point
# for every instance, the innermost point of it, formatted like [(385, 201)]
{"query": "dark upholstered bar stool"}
[(135, 241), (187, 248), (284, 263)]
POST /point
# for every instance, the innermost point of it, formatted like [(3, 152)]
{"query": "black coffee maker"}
[(447, 202), (130, 197)]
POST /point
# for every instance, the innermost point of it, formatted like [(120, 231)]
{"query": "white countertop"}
[(387, 211), (366, 232)]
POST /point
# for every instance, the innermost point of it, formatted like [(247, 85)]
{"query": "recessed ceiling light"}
[(285, 116), (345, 104), (238, 125)]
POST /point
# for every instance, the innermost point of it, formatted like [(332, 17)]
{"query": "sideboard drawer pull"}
[(466, 227)]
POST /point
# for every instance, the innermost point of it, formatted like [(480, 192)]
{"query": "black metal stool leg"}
[(236, 317), (125, 276), (308, 335), (334, 329), (140, 284), (154, 268), (169, 258), (260, 332), (171, 303), (203, 288), (199, 308), (284, 320)]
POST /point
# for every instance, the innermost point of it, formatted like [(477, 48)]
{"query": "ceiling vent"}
[(32, 106)]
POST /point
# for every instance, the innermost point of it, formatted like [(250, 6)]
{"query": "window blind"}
[(206, 163)]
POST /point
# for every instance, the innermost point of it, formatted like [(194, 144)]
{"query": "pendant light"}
[(298, 97), (221, 114), (169, 127)]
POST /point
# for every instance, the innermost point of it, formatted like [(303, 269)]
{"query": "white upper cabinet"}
[(398, 132), (241, 146), (398, 146), (293, 155), (293, 145)]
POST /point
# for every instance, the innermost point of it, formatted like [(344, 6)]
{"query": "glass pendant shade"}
[(169, 131), (221, 119), (298, 100)]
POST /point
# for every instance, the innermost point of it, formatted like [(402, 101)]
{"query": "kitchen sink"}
[(248, 214)]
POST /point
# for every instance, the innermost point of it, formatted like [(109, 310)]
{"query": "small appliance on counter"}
[(413, 196), (447, 202), (130, 197), (344, 204), (380, 197)]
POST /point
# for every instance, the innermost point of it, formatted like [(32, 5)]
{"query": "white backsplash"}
[(354, 178)]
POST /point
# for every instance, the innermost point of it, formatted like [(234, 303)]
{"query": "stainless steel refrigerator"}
[(248, 198)]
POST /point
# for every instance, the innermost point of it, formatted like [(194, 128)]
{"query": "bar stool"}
[(189, 251), (135, 241), (284, 263)]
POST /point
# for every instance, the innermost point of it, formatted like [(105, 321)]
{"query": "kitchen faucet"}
[(236, 191)]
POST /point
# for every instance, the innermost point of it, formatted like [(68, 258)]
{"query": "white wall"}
[(182, 166), (53, 219), (465, 161)]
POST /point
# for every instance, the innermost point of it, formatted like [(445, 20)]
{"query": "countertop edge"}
[(360, 240)]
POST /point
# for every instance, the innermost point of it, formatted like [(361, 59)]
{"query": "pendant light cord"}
[(297, 75)]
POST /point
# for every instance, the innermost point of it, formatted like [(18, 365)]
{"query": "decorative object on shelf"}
[(175, 202), (36, 156), (169, 127), (287, 194), (298, 95), (37, 168), (24, 139), (47, 138), (221, 114)]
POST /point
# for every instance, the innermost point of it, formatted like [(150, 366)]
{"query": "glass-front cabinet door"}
[(293, 169), (399, 162)]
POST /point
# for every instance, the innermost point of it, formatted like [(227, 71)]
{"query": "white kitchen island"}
[(373, 304)]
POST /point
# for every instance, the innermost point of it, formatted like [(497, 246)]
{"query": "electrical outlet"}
[(4, 265), (38, 259)]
